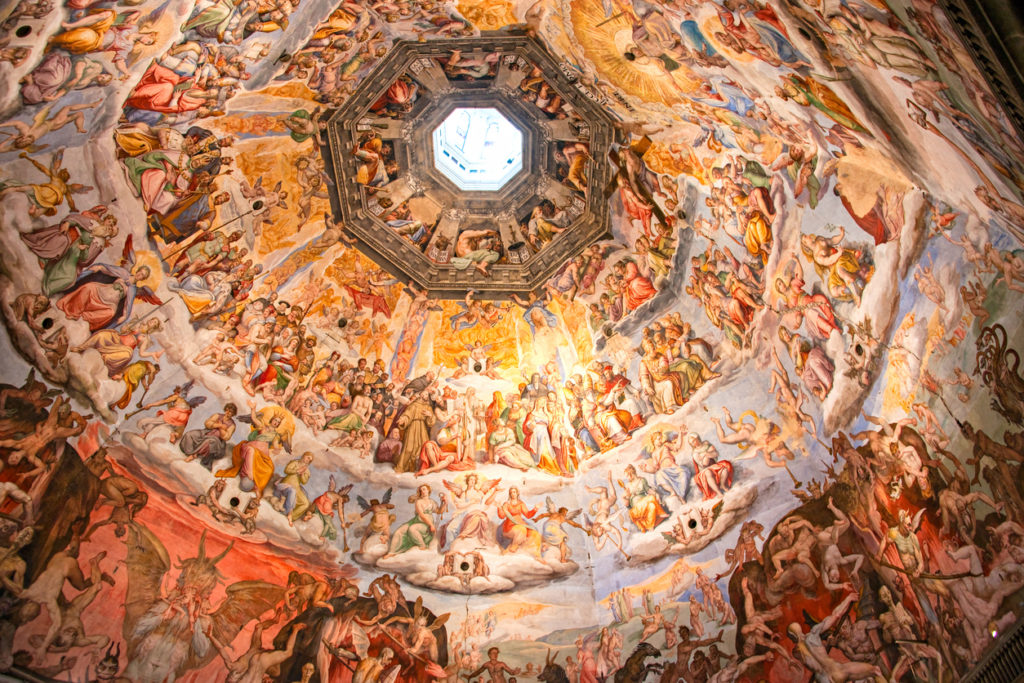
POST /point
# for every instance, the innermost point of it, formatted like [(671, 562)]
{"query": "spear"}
[(135, 412), (796, 482), (256, 206), (925, 575), (610, 19), (339, 654), (344, 523)]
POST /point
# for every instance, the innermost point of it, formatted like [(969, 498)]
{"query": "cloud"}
[(880, 302), (736, 505), (505, 572), (163, 464)]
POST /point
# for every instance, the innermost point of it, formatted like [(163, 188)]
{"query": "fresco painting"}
[(767, 427)]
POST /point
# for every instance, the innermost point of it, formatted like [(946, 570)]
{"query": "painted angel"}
[(381, 519), (177, 408), (103, 295), (554, 534), (470, 501), (263, 201), (325, 506), (604, 510), (47, 196)]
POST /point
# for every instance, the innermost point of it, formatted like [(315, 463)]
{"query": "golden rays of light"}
[(450, 346), (487, 15), (604, 46)]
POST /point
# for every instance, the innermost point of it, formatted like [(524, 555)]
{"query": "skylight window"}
[(478, 149)]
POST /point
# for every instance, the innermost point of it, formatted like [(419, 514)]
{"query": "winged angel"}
[(103, 295), (554, 535), (381, 519), (170, 633)]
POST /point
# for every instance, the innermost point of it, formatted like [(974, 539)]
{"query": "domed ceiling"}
[(408, 341)]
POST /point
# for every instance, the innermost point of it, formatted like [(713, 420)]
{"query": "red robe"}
[(638, 288), (155, 92), (871, 222), (375, 302)]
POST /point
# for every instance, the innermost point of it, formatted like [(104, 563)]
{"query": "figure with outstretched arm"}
[(476, 248), (815, 656), (254, 662)]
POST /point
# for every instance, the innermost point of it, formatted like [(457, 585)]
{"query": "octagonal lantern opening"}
[(478, 149)]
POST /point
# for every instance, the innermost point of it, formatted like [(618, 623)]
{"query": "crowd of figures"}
[(221, 351), (893, 567)]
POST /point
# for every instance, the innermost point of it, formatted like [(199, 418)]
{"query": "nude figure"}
[(793, 540), (956, 505), (61, 423), (12, 566), (974, 294), (815, 656), (789, 398), (8, 489), (930, 286), (900, 628), (831, 557), (47, 589), (27, 134), (760, 437), (755, 630), (72, 631), (254, 662), (1009, 266)]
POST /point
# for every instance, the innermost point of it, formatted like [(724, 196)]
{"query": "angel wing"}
[(365, 506), (606, 250), (196, 402), (128, 252), (453, 487), (550, 505), (716, 511), (386, 281), (573, 514), (41, 115), (148, 295), (387, 497), (492, 484), (187, 387)]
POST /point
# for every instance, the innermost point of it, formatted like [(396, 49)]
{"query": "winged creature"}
[(103, 295), (554, 534), (169, 634), (381, 518), (420, 639)]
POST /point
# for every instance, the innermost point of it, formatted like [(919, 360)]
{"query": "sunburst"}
[(604, 44)]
